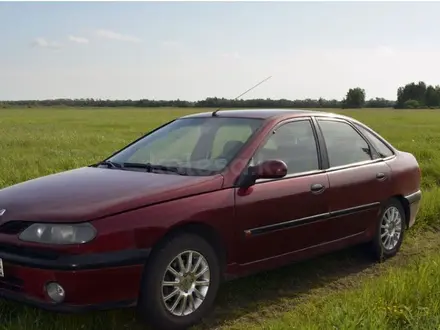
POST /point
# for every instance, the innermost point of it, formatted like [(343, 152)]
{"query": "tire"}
[(152, 307), (382, 247)]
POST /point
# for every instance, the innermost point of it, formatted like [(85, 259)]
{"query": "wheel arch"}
[(205, 231), (405, 204)]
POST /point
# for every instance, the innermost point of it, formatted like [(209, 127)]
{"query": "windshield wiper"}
[(150, 167), (109, 164)]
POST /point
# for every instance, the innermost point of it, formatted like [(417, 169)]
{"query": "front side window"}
[(381, 147), (295, 144), (194, 145), (344, 145)]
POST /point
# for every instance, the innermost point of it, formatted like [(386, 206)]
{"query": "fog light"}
[(55, 292)]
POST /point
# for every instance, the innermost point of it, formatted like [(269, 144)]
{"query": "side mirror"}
[(269, 169)]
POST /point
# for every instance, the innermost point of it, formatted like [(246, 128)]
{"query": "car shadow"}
[(276, 289)]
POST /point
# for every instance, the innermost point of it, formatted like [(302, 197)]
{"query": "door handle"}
[(380, 176), (317, 188)]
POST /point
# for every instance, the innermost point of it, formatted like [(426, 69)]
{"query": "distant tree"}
[(432, 97), (355, 98), (210, 102), (379, 102), (426, 96), (411, 91), (411, 104)]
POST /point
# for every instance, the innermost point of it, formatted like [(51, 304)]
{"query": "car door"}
[(359, 179), (284, 215)]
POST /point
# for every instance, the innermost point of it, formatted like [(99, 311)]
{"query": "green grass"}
[(402, 298), (343, 290)]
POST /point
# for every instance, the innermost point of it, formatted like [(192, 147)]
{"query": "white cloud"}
[(116, 36), (43, 43), (79, 40)]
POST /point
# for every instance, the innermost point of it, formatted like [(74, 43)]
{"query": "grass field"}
[(343, 290)]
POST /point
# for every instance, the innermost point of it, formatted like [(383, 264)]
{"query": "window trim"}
[(350, 165), (292, 176), (354, 165), (320, 169), (377, 136)]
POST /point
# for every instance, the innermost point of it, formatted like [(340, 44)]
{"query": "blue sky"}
[(193, 50)]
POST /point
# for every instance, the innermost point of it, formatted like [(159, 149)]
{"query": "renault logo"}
[(2, 211)]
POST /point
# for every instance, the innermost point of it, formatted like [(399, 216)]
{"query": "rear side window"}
[(344, 145), (381, 147)]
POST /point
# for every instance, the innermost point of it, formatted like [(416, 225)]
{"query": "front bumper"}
[(91, 281), (414, 206), (64, 308)]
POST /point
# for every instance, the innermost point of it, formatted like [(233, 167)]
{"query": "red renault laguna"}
[(203, 198)]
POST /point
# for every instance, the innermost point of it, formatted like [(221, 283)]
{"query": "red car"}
[(203, 198)]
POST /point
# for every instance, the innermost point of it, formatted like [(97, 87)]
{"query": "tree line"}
[(410, 96), (210, 102)]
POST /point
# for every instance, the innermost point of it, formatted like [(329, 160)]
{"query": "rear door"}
[(359, 179)]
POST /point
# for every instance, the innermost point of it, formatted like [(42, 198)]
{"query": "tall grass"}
[(407, 297)]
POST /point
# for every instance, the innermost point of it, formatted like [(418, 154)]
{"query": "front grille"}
[(11, 283)]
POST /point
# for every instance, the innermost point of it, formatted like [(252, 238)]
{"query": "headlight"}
[(59, 233)]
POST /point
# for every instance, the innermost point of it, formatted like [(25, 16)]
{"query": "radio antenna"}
[(215, 112)]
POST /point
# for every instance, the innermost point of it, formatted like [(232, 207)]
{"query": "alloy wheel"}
[(185, 283), (391, 228)]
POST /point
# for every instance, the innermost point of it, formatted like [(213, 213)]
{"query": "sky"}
[(194, 50)]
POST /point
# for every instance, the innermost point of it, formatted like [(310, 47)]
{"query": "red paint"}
[(244, 191)]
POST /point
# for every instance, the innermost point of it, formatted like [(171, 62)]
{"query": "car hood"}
[(89, 193)]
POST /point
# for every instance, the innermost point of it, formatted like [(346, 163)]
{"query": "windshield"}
[(195, 146)]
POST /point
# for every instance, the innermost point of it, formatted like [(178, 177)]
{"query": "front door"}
[(284, 215)]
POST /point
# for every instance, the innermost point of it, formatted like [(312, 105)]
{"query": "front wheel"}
[(180, 283), (390, 230)]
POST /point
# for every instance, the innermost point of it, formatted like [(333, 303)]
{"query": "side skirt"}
[(240, 270)]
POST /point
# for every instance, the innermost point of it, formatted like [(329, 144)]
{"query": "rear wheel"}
[(180, 283), (390, 230)]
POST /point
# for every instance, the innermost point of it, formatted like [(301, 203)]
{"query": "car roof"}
[(263, 113)]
